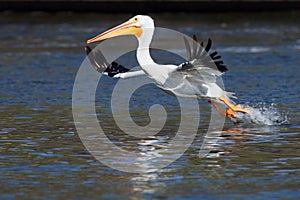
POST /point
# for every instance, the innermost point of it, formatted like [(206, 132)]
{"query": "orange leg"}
[(217, 107), (234, 108), (227, 113)]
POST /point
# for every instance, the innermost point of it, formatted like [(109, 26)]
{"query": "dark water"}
[(42, 156)]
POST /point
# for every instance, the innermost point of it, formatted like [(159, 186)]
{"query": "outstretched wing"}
[(201, 58), (101, 65), (201, 74)]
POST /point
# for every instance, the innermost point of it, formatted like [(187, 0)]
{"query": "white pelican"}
[(190, 79)]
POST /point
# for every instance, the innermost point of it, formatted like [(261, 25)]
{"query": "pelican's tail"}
[(231, 95)]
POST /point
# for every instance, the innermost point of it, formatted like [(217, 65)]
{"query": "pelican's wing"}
[(101, 65), (201, 58), (114, 69)]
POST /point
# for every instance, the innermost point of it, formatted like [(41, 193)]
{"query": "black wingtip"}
[(101, 65), (87, 50), (222, 68), (208, 45), (115, 68), (215, 57), (195, 38)]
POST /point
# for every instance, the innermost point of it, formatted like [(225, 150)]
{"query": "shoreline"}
[(145, 6)]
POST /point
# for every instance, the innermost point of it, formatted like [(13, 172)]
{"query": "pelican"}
[(190, 79)]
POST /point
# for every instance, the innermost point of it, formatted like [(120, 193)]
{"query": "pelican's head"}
[(134, 26)]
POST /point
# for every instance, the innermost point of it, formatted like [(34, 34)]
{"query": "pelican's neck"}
[(155, 71), (143, 50)]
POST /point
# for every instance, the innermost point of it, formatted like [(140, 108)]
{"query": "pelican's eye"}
[(135, 20)]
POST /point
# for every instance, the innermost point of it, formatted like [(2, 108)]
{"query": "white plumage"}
[(197, 78)]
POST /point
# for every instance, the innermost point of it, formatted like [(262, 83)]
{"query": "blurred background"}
[(149, 6)]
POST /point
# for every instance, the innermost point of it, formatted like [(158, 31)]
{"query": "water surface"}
[(42, 156)]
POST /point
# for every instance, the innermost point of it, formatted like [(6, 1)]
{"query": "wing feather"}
[(101, 65), (199, 56), (188, 48)]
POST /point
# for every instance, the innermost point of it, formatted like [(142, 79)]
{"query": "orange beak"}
[(127, 28)]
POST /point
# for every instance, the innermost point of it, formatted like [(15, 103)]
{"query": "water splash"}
[(263, 114)]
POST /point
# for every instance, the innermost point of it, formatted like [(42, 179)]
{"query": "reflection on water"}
[(42, 155)]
